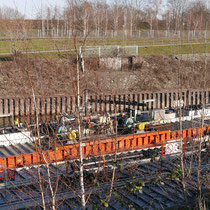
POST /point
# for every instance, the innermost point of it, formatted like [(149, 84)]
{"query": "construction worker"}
[(17, 123)]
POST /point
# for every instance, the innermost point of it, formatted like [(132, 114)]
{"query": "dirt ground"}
[(49, 77)]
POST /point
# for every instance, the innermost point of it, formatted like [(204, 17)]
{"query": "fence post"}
[(10, 106), (99, 51), (118, 50)]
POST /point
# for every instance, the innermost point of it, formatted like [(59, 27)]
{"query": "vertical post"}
[(193, 93), (47, 106), (185, 140), (118, 50), (99, 51), (73, 102), (86, 101), (167, 100), (161, 154), (158, 101), (5, 106), (15, 105)]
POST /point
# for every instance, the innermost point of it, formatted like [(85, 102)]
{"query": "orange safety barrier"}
[(101, 147)]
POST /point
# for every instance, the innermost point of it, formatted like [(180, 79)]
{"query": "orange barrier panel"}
[(101, 147)]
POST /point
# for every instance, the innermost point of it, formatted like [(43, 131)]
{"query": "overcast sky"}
[(29, 8)]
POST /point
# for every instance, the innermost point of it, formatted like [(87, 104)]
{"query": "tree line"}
[(85, 16)]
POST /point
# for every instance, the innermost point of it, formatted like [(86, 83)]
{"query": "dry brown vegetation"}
[(52, 77)]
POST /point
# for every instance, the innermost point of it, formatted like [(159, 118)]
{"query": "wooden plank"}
[(39, 105), (46, 104), (175, 96), (158, 101), (16, 105), (6, 106), (1, 107), (75, 102), (65, 104), (68, 105), (58, 105), (53, 105), (11, 106), (21, 107), (27, 110), (149, 102), (112, 104), (193, 98), (94, 104), (43, 110), (61, 104), (91, 104), (97, 104)]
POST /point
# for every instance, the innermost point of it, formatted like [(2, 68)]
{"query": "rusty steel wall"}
[(101, 103)]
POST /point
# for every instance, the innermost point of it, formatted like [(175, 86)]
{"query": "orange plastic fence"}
[(100, 147)]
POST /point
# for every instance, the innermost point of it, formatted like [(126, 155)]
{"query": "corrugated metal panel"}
[(24, 191), (17, 149)]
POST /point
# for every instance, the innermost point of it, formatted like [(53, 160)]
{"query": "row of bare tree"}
[(100, 16), (130, 15)]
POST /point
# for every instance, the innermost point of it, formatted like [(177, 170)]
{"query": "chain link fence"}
[(110, 51), (120, 34), (114, 34)]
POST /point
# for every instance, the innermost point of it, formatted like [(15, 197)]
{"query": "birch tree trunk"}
[(80, 140)]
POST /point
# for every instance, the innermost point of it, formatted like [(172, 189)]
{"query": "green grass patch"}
[(174, 49), (47, 45)]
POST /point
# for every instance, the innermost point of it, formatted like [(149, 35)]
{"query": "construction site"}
[(105, 105)]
